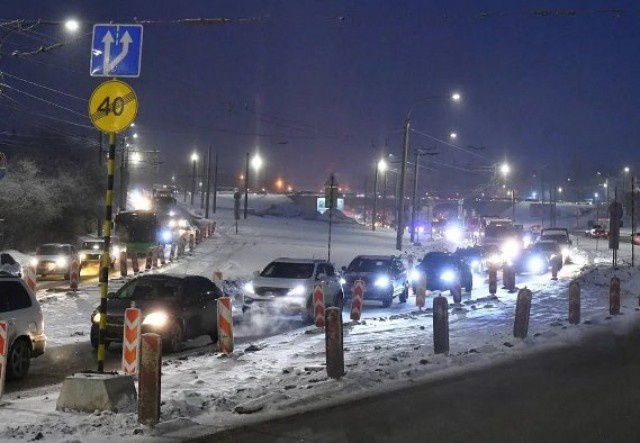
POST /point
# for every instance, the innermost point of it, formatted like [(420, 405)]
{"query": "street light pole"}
[(375, 199), (415, 195), (206, 211), (194, 173), (246, 185), (403, 177)]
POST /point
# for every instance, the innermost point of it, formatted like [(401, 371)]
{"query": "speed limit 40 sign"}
[(113, 106)]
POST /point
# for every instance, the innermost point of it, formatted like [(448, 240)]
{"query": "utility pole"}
[(215, 185), (633, 219), (403, 177), (374, 211), (246, 185)]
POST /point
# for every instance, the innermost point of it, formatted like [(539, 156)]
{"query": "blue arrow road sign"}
[(116, 50)]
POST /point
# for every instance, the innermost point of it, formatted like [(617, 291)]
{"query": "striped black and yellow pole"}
[(104, 263)]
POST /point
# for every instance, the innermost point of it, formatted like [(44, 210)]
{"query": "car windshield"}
[(288, 270), (150, 289), (368, 265), (437, 259), (50, 250), (556, 237), (96, 245), (545, 246)]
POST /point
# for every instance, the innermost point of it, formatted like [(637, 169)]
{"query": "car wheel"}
[(339, 300), (174, 337), (308, 315), (405, 294), (18, 360), (386, 302)]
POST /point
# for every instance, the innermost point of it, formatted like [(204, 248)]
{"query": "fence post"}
[(225, 325), (440, 325), (523, 311), (149, 379), (333, 343), (357, 295), (614, 296), (318, 304), (131, 340), (574, 303)]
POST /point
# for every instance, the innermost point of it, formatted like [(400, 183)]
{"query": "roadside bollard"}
[(155, 260), (574, 303), (421, 291), (31, 278), (333, 343), (225, 326), (493, 279), (192, 242), (213, 228), (135, 266), (614, 296), (3, 354), (74, 273), (163, 260), (217, 280), (523, 311), (509, 277), (318, 304), (123, 264), (172, 253), (131, 340), (440, 325), (198, 236), (149, 379), (357, 295), (148, 259), (554, 270)]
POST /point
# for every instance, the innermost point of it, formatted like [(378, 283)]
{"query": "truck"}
[(502, 240)]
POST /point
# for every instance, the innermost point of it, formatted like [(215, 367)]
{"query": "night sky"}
[(322, 86)]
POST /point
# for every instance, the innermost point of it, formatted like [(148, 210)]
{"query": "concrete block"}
[(90, 391)]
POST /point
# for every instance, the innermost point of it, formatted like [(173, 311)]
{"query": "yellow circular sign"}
[(113, 106)]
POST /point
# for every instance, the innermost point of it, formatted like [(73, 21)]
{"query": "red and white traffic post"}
[(357, 295), (217, 279), (225, 326), (318, 304), (74, 273), (131, 341), (4, 344), (31, 277)]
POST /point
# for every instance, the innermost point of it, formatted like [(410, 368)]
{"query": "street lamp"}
[(505, 169), (414, 200), (403, 173), (381, 167), (256, 163), (194, 173)]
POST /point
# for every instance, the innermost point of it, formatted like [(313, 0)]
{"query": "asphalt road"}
[(589, 393)]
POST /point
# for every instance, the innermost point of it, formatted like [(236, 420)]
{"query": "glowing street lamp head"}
[(626, 169), (505, 169), (256, 162), (194, 157), (453, 135), (382, 165), (72, 25), (456, 96), (135, 157)]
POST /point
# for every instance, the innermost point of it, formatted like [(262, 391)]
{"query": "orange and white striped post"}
[(421, 291), (4, 341), (225, 326), (356, 299), (74, 273), (318, 303), (31, 278), (131, 341)]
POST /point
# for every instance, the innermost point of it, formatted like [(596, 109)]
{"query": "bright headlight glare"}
[(183, 223), (448, 276), (34, 262), (510, 249), (382, 281), (61, 262), (343, 281), (475, 264), (248, 288), (298, 290), (116, 251), (565, 251), (156, 319), (83, 256), (166, 235), (453, 234), (172, 223), (413, 275), (95, 317), (535, 265)]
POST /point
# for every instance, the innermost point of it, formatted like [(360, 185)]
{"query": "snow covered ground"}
[(284, 373)]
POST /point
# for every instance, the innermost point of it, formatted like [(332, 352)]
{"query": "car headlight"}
[(343, 281), (183, 223), (475, 264), (115, 251), (248, 288), (166, 235), (172, 223), (34, 262), (453, 234), (157, 319), (495, 259), (381, 282), (448, 276), (83, 256), (413, 275), (95, 317), (510, 249), (298, 290), (61, 262), (565, 252), (535, 265)]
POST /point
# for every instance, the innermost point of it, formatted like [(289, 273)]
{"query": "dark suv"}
[(385, 277), (26, 338), (176, 307), (445, 271)]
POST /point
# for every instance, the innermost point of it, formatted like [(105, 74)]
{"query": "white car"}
[(54, 258), (285, 286), (10, 265), (26, 338)]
